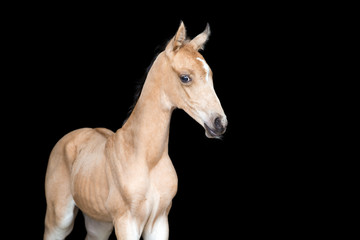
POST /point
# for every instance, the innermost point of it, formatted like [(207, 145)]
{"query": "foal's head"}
[(190, 83)]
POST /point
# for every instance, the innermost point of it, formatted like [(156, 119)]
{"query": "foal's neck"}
[(147, 128)]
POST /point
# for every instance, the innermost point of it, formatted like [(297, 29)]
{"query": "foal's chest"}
[(164, 179), (164, 183), (161, 189), (159, 198)]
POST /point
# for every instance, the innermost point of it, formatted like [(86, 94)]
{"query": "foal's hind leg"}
[(59, 219), (61, 210), (97, 230)]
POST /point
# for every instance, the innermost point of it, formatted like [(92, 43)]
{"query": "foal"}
[(126, 179)]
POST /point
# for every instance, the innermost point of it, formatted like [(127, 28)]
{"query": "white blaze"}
[(206, 67)]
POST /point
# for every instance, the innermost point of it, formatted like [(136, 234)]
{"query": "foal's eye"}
[(185, 78)]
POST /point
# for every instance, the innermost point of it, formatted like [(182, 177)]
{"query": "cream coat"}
[(126, 179)]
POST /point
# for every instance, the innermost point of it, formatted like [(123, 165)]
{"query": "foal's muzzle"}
[(217, 129)]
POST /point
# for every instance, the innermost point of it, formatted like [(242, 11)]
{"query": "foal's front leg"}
[(157, 230), (126, 228)]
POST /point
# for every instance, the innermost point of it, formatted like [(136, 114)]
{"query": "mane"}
[(140, 82)]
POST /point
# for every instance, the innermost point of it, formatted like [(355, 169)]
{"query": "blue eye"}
[(185, 78)]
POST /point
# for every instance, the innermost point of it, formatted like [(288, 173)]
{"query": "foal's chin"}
[(213, 136)]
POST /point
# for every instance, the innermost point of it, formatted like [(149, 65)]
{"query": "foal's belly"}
[(90, 197)]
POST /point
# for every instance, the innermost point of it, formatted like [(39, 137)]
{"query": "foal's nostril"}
[(218, 125)]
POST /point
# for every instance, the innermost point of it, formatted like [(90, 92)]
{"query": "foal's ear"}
[(178, 40), (199, 41)]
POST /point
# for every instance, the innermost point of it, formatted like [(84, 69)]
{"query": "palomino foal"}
[(126, 179)]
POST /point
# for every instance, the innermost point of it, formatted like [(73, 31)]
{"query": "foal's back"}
[(73, 144)]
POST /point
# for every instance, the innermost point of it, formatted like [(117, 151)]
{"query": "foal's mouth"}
[(212, 133)]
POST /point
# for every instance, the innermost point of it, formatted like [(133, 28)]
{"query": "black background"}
[(78, 66)]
